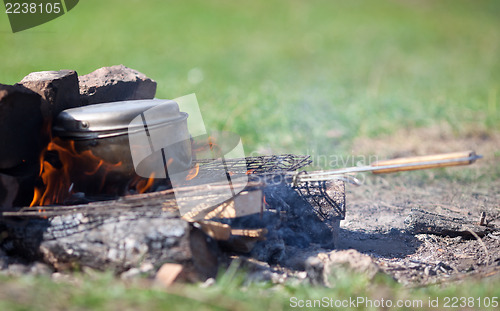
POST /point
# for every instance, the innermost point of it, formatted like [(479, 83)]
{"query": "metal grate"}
[(258, 165), (326, 197)]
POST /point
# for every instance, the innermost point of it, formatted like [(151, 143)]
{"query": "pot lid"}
[(112, 117)]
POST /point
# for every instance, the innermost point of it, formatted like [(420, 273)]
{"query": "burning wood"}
[(240, 224), (58, 164), (32, 104), (65, 172)]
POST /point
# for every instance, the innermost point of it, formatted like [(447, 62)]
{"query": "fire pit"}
[(96, 205), (124, 233)]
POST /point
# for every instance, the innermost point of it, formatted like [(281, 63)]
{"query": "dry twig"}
[(482, 244)]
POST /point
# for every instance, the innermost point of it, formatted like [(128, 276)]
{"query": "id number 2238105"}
[(33, 8)]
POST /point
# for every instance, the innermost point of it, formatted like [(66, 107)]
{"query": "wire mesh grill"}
[(257, 165), (324, 199)]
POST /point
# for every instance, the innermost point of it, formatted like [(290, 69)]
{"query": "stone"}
[(315, 269), (17, 269), (168, 274), (4, 261), (322, 266), (9, 188), (115, 83), (353, 260), (59, 90), (21, 125), (130, 274), (39, 268)]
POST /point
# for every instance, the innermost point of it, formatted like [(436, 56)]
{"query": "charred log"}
[(112, 241), (425, 222)]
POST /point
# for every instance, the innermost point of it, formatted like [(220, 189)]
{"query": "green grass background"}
[(232, 292), (284, 75)]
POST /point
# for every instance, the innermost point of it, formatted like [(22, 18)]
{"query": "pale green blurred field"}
[(289, 76)]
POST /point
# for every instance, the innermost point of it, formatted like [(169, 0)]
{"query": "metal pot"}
[(141, 134)]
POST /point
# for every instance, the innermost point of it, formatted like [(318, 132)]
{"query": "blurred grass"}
[(289, 76), (230, 292)]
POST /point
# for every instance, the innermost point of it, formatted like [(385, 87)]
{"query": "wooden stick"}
[(394, 165), (412, 163)]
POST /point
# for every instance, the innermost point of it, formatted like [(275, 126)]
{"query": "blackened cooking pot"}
[(142, 135)]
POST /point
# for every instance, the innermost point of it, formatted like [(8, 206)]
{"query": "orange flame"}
[(264, 200), (210, 144), (142, 185), (56, 177), (145, 186), (193, 172)]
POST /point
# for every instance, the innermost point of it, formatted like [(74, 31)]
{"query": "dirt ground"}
[(374, 235), (376, 211), (375, 226)]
